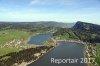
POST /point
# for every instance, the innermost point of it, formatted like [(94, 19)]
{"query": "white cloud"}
[(34, 2), (73, 3), (57, 2), (50, 2), (39, 2)]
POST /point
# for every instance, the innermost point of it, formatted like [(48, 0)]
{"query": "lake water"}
[(40, 39), (65, 50)]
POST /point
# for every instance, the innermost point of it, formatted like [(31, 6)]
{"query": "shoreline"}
[(84, 50), (76, 41), (27, 63), (57, 44)]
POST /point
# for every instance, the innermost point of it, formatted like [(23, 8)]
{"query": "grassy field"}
[(98, 55), (9, 35), (4, 51)]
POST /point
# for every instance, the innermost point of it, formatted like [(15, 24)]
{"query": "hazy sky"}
[(50, 10)]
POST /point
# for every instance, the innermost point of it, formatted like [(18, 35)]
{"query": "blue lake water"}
[(65, 50), (40, 39)]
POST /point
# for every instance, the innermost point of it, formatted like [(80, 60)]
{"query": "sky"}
[(50, 10)]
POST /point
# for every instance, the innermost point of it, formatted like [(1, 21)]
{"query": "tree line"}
[(26, 55)]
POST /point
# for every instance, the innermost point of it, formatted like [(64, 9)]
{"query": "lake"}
[(40, 39), (65, 50)]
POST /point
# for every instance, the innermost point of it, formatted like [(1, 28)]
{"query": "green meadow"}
[(4, 51), (9, 35)]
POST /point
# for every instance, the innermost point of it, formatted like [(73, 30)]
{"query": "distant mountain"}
[(86, 27), (29, 25), (83, 31), (57, 24)]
